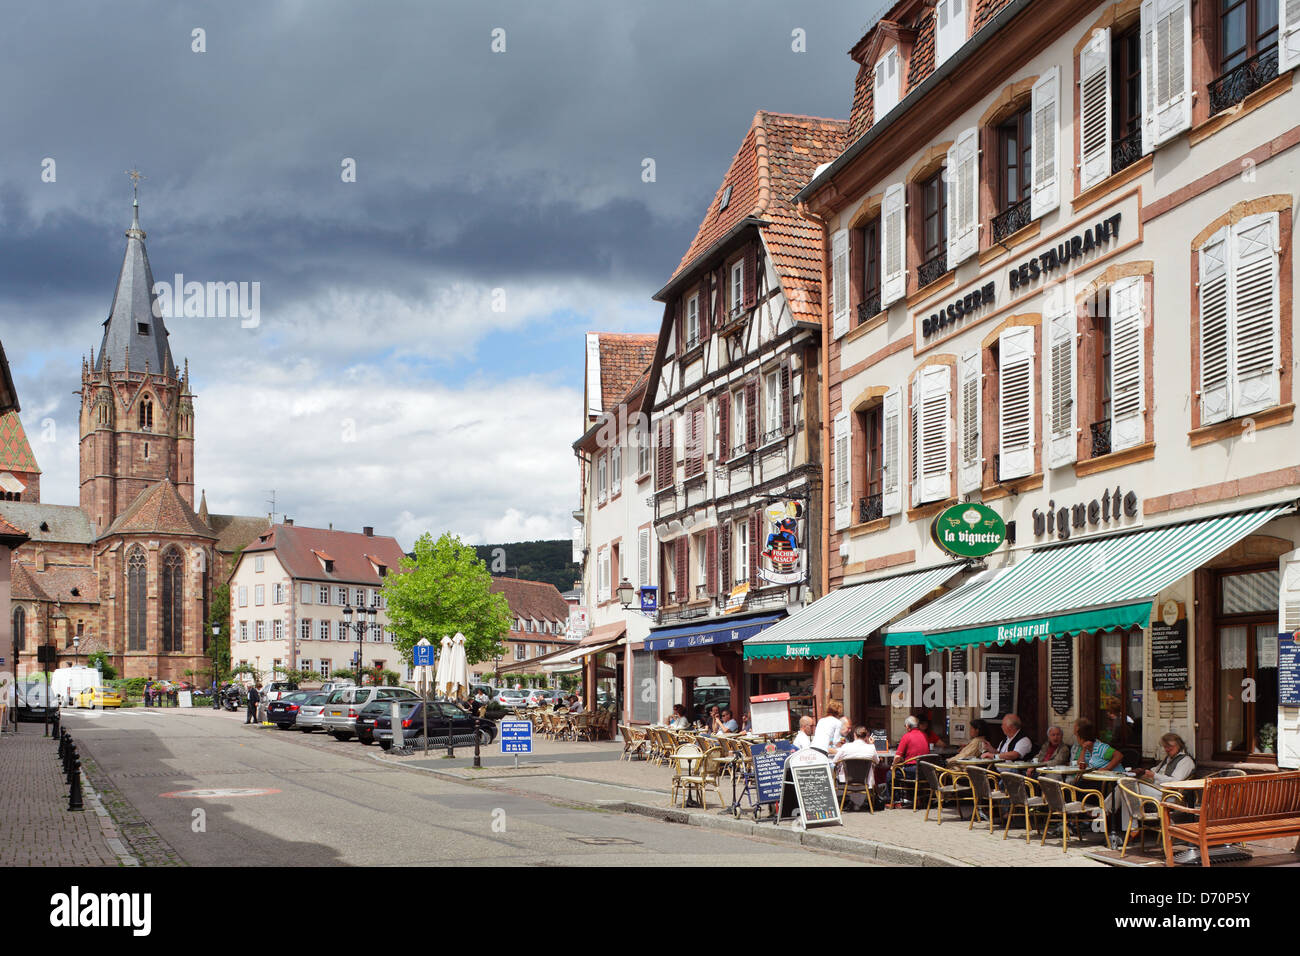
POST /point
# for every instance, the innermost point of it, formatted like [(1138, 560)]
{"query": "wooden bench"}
[(1237, 809)]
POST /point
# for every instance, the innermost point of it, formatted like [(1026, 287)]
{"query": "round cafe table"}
[(1191, 789), (1060, 771)]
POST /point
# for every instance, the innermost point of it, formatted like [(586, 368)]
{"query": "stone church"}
[(130, 570)]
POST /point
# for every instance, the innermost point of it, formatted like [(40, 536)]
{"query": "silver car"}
[(310, 712), (339, 719)]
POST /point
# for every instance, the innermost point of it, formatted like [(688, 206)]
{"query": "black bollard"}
[(74, 794), (56, 722), (63, 743), (73, 760)]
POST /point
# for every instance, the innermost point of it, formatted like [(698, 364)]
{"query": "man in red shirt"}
[(913, 744)]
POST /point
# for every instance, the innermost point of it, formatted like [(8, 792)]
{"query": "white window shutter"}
[(1216, 405), (1288, 19), (1127, 363), (840, 281), (963, 198), (969, 459), (935, 387), (643, 556), (1016, 403), (1255, 313), (843, 473), (950, 28), (1045, 135), (1094, 106), (893, 243), (1166, 70), (1060, 388), (892, 481)]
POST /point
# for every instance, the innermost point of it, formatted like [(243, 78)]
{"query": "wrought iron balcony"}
[(1126, 151), (1014, 219), (1238, 83), (870, 508), (868, 308), (932, 269), (1100, 438)]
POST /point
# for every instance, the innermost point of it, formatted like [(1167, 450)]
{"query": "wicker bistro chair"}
[(1139, 816), (986, 790), (707, 776), (680, 778), (1055, 795), (664, 746), (898, 780), (632, 745), (857, 773), (1020, 796), (944, 783)]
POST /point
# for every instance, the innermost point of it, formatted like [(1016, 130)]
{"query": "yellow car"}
[(98, 697)]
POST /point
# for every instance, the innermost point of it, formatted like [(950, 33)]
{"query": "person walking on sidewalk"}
[(253, 698)]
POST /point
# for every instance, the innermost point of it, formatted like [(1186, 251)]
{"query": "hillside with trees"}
[(533, 561)]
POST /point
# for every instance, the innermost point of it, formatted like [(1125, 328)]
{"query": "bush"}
[(129, 686)]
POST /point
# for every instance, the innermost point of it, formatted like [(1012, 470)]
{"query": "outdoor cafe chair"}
[(1231, 772), (899, 780), (631, 745), (680, 775), (1076, 807), (857, 777), (707, 775), (986, 791), (665, 744), (1141, 818), (944, 783), (1020, 796)]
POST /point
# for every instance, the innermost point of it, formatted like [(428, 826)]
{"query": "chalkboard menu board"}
[(1005, 668), (769, 767), (1169, 655), (1061, 674), (959, 658), (897, 662), (880, 740), (808, 782), (1288, 670)]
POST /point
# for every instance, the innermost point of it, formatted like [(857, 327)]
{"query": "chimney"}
[(368, 531)]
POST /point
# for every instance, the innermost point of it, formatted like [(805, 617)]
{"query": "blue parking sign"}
[(423, 655), (516, 736)]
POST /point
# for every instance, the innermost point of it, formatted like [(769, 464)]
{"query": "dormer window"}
[(726, 199), (737, 300), (949, 28), (886, 94), (693, 321)]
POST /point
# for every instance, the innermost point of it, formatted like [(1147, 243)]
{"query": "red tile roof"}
[(532, 600), (922, 64), (296, 547), (777, 158), (624, 358), (23, 585), (58, 582), (986, 10), (15, 450), (8, 530), (159, 509)]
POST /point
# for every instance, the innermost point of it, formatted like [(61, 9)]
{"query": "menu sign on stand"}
[(1061, 675), (808, 791), (769, 768)]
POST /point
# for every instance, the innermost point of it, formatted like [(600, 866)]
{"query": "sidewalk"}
[(592, 774), (36, 827)]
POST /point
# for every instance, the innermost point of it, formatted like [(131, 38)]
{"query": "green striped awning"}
[(1101, 584), (838, 624)]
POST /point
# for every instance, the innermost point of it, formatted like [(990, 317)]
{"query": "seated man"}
[(913, 744), (859, 747), (803, 739), (726, 723), (1016, 745)]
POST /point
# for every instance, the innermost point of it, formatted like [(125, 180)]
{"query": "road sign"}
[(423, 655), (516, 736)]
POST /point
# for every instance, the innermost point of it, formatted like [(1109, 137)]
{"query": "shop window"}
[(1246, 634), (934, 229), (1120, 665), (1247, 50), (1014, 182)]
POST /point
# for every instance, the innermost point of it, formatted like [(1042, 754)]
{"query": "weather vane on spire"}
[(136, 176)]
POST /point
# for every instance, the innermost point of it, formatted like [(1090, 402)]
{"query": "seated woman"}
[(679, 721), (1054, 752), (1090, 753), (1177, 765), (978, 744)]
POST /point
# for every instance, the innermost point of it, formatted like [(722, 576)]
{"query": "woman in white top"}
[(827, 732), (1177, 765)]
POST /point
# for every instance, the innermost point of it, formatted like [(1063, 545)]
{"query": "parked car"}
[(464, 728), (278, 689), (541, 697), (508, 697), (32, 702), (368, 714), (333, 685), (284, 712), (344, 704), (93, 697), (310, 712)]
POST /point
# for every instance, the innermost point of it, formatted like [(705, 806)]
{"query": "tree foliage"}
[(443, 589), (548, 561), (100, 659)]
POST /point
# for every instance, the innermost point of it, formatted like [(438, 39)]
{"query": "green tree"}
[(100, 659), (219, 643), (446, 588)]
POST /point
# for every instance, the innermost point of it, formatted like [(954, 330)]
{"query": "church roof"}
[(159, 509), (57, 582), (237, 531), (15, 449), (58, 523), (131, 326), (23, 587)]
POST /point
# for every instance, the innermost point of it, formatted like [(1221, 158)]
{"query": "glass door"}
[(1119, 700)]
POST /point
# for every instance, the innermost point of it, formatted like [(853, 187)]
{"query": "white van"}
[(67, 683)]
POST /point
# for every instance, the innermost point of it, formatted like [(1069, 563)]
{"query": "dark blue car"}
[(464, 728)]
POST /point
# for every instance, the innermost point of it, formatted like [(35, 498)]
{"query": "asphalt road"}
[(318, 802)]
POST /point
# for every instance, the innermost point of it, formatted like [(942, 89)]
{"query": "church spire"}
[(135, 337)]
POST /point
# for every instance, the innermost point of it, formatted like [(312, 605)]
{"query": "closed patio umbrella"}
[(444, 661), (458, 669)]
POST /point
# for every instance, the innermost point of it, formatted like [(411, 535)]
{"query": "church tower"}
[(137, 411)]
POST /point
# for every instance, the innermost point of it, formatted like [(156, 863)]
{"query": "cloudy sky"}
[(419, 359)]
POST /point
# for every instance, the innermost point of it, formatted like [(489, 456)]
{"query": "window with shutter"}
[(1095, 109), (1288, 34), (787, 409), (602, 479), (914, 407), (970, 460), (664, 478), (1046, 193), (1127, 372), (963, 198), (724, 426), (755, 531), (751, 414), (683, 569), (892, 468), (886, 93), (840, 282), (1015, 403), (1059, 387), (1216, 403), (893, 284), (1166, 70), (615, 470), (711, 568), (950, 28), (643, 557), (724, 558), (737, 288), (843, 472), (935, 385)]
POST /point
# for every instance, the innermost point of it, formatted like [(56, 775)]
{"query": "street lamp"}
[(365, 621), (626, 593), (216, 651), (76, 650)]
